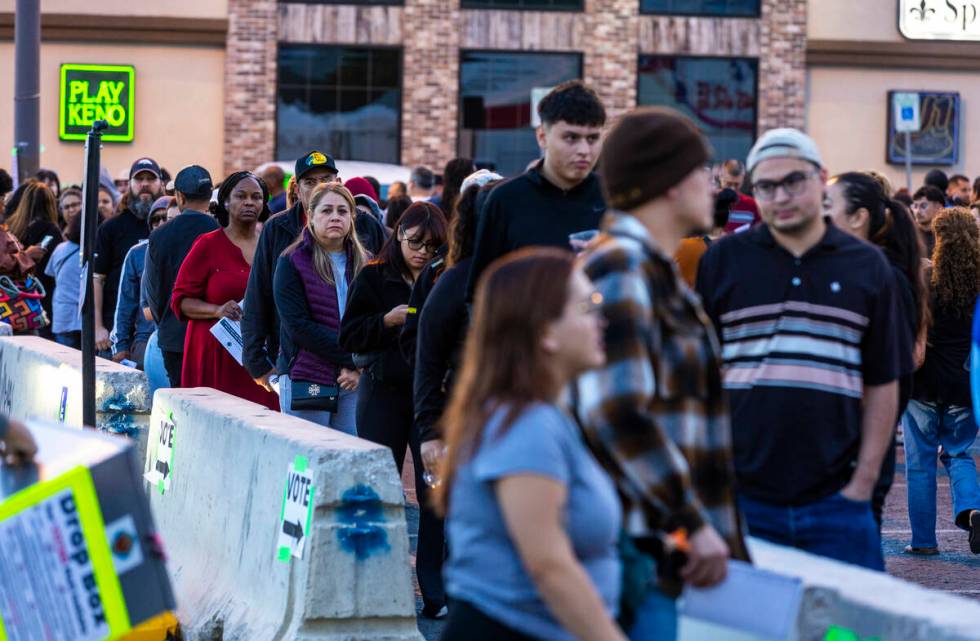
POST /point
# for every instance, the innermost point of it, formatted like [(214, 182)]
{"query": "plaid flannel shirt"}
[(655, 415)]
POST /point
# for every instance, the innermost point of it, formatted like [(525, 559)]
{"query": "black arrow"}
[(163, 467), (294, 530)]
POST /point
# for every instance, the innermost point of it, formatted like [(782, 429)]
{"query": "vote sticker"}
[(161, 474), (296, 514)]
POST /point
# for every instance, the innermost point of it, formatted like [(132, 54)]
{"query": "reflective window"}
[(537, 5), (343, 100), (496, 94), (719, 94), (702, 7)]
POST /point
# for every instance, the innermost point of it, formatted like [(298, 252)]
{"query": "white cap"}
[(783, 143)]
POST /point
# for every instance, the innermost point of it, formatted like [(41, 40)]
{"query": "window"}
[(536, 5), (495, 91), (343, 100), (719, 94), (732, 8)]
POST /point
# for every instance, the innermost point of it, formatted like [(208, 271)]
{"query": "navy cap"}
[(144, 164), (194, 181), (314, 160)]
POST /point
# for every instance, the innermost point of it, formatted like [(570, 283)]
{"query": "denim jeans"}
[(343, 420), (927, 427), (656, 619), (69, 339), (156, 371), (835, 527)]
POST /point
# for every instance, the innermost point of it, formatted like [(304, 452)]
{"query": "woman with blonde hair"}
[(311, 282), (941, 410)]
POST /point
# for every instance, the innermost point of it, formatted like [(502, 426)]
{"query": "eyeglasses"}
[(793, 183), (592, 305), (157, 220), (418, 245)]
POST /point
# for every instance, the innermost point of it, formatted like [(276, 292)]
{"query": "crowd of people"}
[(609, 370)]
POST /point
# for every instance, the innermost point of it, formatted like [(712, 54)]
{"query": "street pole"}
[(90, 219), (27, 87), (908, 161)]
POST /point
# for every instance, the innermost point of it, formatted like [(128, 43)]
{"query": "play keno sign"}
[(97, 92)]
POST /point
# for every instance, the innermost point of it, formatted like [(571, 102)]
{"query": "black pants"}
[(466, 623), (385, 415), (887, 475), (174, 363)]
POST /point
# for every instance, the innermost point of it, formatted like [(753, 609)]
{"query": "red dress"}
[(214, 271)]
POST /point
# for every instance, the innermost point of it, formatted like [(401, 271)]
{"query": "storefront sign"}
[(937, 141), (97, 92), (939, 19)]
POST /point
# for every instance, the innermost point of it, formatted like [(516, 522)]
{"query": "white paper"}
[(229, 334), (739, 601)]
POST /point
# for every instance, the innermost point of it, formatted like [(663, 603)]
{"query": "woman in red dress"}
[(210, 283)]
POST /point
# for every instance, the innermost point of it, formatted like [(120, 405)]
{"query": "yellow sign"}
[(97, 92)]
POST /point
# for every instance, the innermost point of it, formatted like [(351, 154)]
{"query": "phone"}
[(46, 241)]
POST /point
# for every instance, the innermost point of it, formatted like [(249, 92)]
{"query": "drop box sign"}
[(97, 92)]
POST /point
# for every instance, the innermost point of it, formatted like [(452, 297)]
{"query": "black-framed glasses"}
[(418, 245), (158, 220), (793, 183)]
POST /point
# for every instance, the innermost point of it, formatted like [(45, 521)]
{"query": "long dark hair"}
[(430, 221), (462, 229), (516, 299), (217, 208), (453, 175), (37, 203), (891, 228)]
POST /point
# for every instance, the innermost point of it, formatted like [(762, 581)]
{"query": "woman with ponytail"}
[(858, 204), (212, 281)]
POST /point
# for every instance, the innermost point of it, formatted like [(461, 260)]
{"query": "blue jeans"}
[(343, 420), (69, 339), (156, 371), (656, 619), (927, 427), (835, 527)]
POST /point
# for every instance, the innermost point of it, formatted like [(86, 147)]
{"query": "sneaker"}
[(923, 551), (975, 531), (430, 612)]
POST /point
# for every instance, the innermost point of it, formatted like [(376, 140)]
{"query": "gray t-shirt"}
[(484, 567), (339, 265)]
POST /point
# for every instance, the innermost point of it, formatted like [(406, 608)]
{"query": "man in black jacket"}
[(165, 254), (560, 194), (260, 321)]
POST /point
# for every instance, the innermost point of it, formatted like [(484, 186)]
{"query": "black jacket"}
[(528, 210), (371, 233), (420, 293), (169, 246), (298, 329), (441, 334), (376, 291), (260, 320)]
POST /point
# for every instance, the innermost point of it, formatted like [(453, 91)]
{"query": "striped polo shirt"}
[(801, 337)]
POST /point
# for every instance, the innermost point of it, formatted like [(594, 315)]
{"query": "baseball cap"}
[(314, 160), (783, 143), (144, 164), (194, 181)]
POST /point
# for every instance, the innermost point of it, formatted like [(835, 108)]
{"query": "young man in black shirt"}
[(558, 196), (165, 254), (114, 239), (806, 315)]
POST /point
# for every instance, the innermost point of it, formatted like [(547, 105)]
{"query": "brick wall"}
[(782, 64), (611, 58), (430, 82), (250, 84)]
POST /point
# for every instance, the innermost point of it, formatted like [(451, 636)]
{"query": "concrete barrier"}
[(221, 521), (843, 602), (41, 378)]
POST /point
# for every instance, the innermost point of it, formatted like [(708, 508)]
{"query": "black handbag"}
[(313, 396)]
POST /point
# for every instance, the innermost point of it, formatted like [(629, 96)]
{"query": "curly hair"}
[(956, 260)]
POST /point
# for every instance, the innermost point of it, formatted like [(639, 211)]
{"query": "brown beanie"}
[(650, 150)]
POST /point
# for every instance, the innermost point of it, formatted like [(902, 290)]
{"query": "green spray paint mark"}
[(283, 554), (837, 633), (299, 464)]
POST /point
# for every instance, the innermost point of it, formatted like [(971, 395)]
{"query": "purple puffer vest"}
[(322, 300)]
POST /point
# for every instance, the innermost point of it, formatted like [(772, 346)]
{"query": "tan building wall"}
[(168, 8), (179, 99)]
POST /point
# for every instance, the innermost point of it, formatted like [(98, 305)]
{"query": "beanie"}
[(360, 186), (650, 150)]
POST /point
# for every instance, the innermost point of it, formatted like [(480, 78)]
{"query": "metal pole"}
[(27, 87), (908, 161), (90, 219)]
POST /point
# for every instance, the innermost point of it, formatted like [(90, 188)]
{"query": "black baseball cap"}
[(144, 164), (314, 160), (194, 181)]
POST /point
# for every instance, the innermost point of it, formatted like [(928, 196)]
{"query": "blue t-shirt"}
[(339, 264), (66, 270), (484, 567)]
